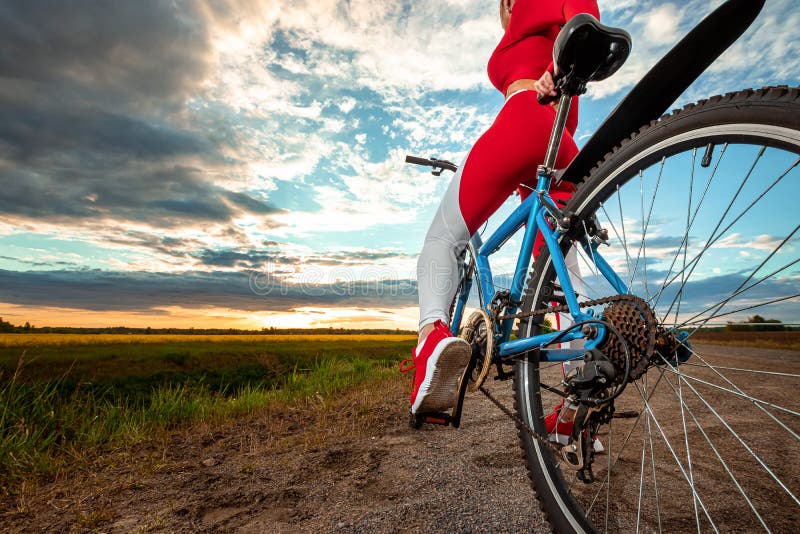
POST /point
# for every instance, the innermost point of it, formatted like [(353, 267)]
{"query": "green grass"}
[(58, 410)]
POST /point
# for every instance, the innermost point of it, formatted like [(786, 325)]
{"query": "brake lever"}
[(440, 165)]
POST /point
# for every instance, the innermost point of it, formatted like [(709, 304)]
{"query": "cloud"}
[(135, 52), (766, 54), (660, 24), (229, 135), (244, 291), (761, 242)]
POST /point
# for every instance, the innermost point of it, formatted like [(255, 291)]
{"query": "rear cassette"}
[(635, 321)]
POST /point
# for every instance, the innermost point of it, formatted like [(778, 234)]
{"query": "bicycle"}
[(674, 415)]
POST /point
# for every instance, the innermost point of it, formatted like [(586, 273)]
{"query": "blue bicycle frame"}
[(533, 214)]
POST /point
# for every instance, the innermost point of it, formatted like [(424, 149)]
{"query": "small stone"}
[(209, 462)]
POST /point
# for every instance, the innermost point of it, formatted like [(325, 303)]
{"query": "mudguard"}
[(666, 81)]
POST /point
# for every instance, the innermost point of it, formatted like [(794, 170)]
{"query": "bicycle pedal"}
[(432, 418)]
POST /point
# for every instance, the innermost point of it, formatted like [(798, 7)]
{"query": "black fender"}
[(666, 81)]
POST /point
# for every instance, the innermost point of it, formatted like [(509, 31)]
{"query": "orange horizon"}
[(210, 318)]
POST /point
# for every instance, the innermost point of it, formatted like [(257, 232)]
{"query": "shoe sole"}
[(448, 367)]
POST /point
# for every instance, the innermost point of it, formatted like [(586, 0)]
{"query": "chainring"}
[(475, 333)]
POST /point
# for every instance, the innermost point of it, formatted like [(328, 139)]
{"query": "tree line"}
[(7, 327)]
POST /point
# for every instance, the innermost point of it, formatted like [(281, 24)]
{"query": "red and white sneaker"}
[(438, 363), (560, 429)]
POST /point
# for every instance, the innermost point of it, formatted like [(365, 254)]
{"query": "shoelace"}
[(406, 365)]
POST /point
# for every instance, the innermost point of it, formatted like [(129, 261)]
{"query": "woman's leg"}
[(505, 156)]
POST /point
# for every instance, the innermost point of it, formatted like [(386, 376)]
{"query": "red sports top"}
[(526, 49)]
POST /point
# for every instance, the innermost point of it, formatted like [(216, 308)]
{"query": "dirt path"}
[(349, 466), (310, 470)]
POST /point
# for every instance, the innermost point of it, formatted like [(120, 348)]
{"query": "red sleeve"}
[(573, 7), (532, 16)]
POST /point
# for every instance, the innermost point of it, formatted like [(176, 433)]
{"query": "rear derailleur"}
[(588, 388)]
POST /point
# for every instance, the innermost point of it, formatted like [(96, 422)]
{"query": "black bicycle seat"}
[(587, 51)]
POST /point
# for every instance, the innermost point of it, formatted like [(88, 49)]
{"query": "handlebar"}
[(418, 161), (438, 165)]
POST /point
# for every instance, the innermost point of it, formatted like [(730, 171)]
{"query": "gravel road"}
[(353, 465)]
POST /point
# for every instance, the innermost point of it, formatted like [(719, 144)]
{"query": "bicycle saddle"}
[(587, 51)]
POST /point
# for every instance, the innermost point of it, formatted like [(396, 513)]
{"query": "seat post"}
[(558, 131)]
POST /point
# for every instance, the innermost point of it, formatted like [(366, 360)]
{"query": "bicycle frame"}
[(532, 214)]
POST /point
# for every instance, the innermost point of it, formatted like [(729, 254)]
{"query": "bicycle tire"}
[(769, 118)]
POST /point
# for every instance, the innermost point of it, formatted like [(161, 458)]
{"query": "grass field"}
[(64, 398), (764, 340), (28, 340)]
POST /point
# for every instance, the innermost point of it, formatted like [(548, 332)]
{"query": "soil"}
[(350, 465)]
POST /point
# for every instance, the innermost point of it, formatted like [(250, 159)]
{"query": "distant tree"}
[(756, 323), (5, 326)]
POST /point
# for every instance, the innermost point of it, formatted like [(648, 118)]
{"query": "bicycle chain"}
[(565, 307), (520, 423)]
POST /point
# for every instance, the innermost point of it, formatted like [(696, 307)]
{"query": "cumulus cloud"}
[(660, 24), (227, 135), (766, 54)]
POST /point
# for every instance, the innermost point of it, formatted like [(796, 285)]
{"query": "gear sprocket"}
[(635, 321)]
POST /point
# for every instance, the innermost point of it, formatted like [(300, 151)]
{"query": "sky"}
[(239, 163)]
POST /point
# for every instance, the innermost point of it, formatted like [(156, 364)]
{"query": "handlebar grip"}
[(418, 161)]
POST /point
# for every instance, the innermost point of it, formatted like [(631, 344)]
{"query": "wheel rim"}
[(715, 442)]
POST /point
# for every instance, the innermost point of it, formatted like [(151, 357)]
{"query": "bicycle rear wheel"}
[(700, 208)]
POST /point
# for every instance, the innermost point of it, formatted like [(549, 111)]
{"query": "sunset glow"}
[(239, 164)]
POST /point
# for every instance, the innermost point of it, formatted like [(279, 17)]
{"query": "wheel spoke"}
[(722, 462), (750, 398), (747, 447), (616, 233), (735, 294), (755, 371), (692, 264), (759, 403), (641, 241), (753, 307), (710, 239), (652, 456), (641, 482), (652, 416), (742, 442), (694, 217), (685, 247), (586, 284), (608, 467), (622, 448), (593, 265), (688, 450), (741, 288), (624, 238)]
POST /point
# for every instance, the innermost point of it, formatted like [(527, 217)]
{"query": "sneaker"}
[(560, 430), (438, 363)]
